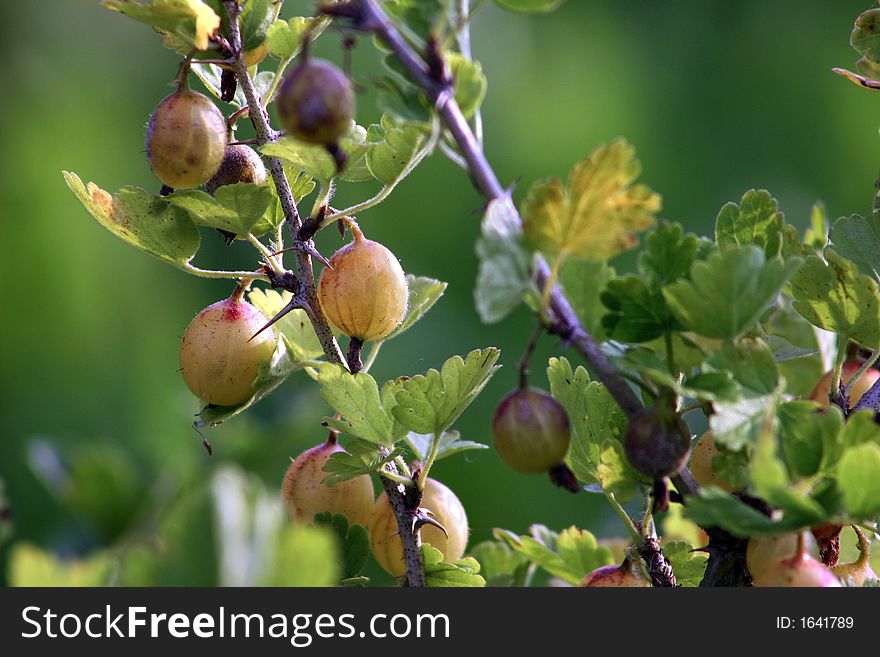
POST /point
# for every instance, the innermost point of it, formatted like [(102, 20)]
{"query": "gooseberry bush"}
[(722, 398)]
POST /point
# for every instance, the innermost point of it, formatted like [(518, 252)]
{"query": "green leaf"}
[(150, 224), (637, 313), (837, 298), (356, 399), (256, 18), (301, 340), (305, 556), (728, 293), (469, 83), (353, 539), (715, 508), (751, 364), (431, 402), (271, 375), (450, 444), (301, 186), (858, 477), (464, 572), (756, 220), (598, 213), (584, 282), (596, 453), (285, 38), (568, 555), (424, 292), (392, 149), (190, 20), (803, 432), (360, 457), (233, 208), (865, 36), (667, 254), (688, 566), (316, 161), (503, 278), (816, 236), (499, 563), (858, 240), (530, 6), (404, 102), (30, 565), (211, 76)]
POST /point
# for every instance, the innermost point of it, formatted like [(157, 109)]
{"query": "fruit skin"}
[(186, 139), (704, 451), (365, 294), (531, 429), (624, 575), (217, 361), (446, 509), (305, 493), (801, 570), (656, 445), (241, 164), (764, 553), (823, 389), (316, 102)]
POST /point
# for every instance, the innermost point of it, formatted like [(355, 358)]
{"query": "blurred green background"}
[(717, 96)]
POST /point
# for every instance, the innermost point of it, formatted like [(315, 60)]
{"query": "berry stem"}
[(526, 359), (266, 134), (868, 364), (624, 516)]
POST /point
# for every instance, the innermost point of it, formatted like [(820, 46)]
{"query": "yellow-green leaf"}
[(191, 20), (599, 212)]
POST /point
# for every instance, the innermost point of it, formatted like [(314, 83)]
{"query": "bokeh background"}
[(718, 97)]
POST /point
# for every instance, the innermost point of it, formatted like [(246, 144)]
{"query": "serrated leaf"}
[(858, 239), (713, 507), (431, 402), (837, 298), (270, 376), (464, 572), (530, 6), (360, 457), (424, 292), (392, 149), (301, 186), (403, 101), (469, 83), (636, 312), (584, 282), (503, 278), (316, 161), (803, 432), (498, 562), (254, 22), (688, 566), (727, 294), (190, 20), (597, 214), (756, 220), (148, 223), (285, 38), (353, 540), (597, 424), (751, 363), (302, 341), (450, 444), (667, 254), (356, 399), (234, 208), (569, 555), (858, 477)]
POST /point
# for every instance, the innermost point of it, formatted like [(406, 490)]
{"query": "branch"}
[(369, 16), (266, 134)]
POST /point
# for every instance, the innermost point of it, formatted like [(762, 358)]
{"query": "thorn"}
[(308, 248), (426, 517), (292, 305)]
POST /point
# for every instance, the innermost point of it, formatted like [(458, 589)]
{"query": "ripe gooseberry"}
[(218, 359), (657, 442), (364, 292), (316, 102), (798, 571), (305, 493), (702, 455), (626, 575), (186, 139), (763, 553), (531, 431), (446, 509), (241, 164), (821, 393)]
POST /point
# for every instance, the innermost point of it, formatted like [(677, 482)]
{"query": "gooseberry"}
[(531, 431), (316, 102), (626, 575), (656, 443), (241, 164), (821, 393), (218, 359), (186, 139), (702, 455)]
